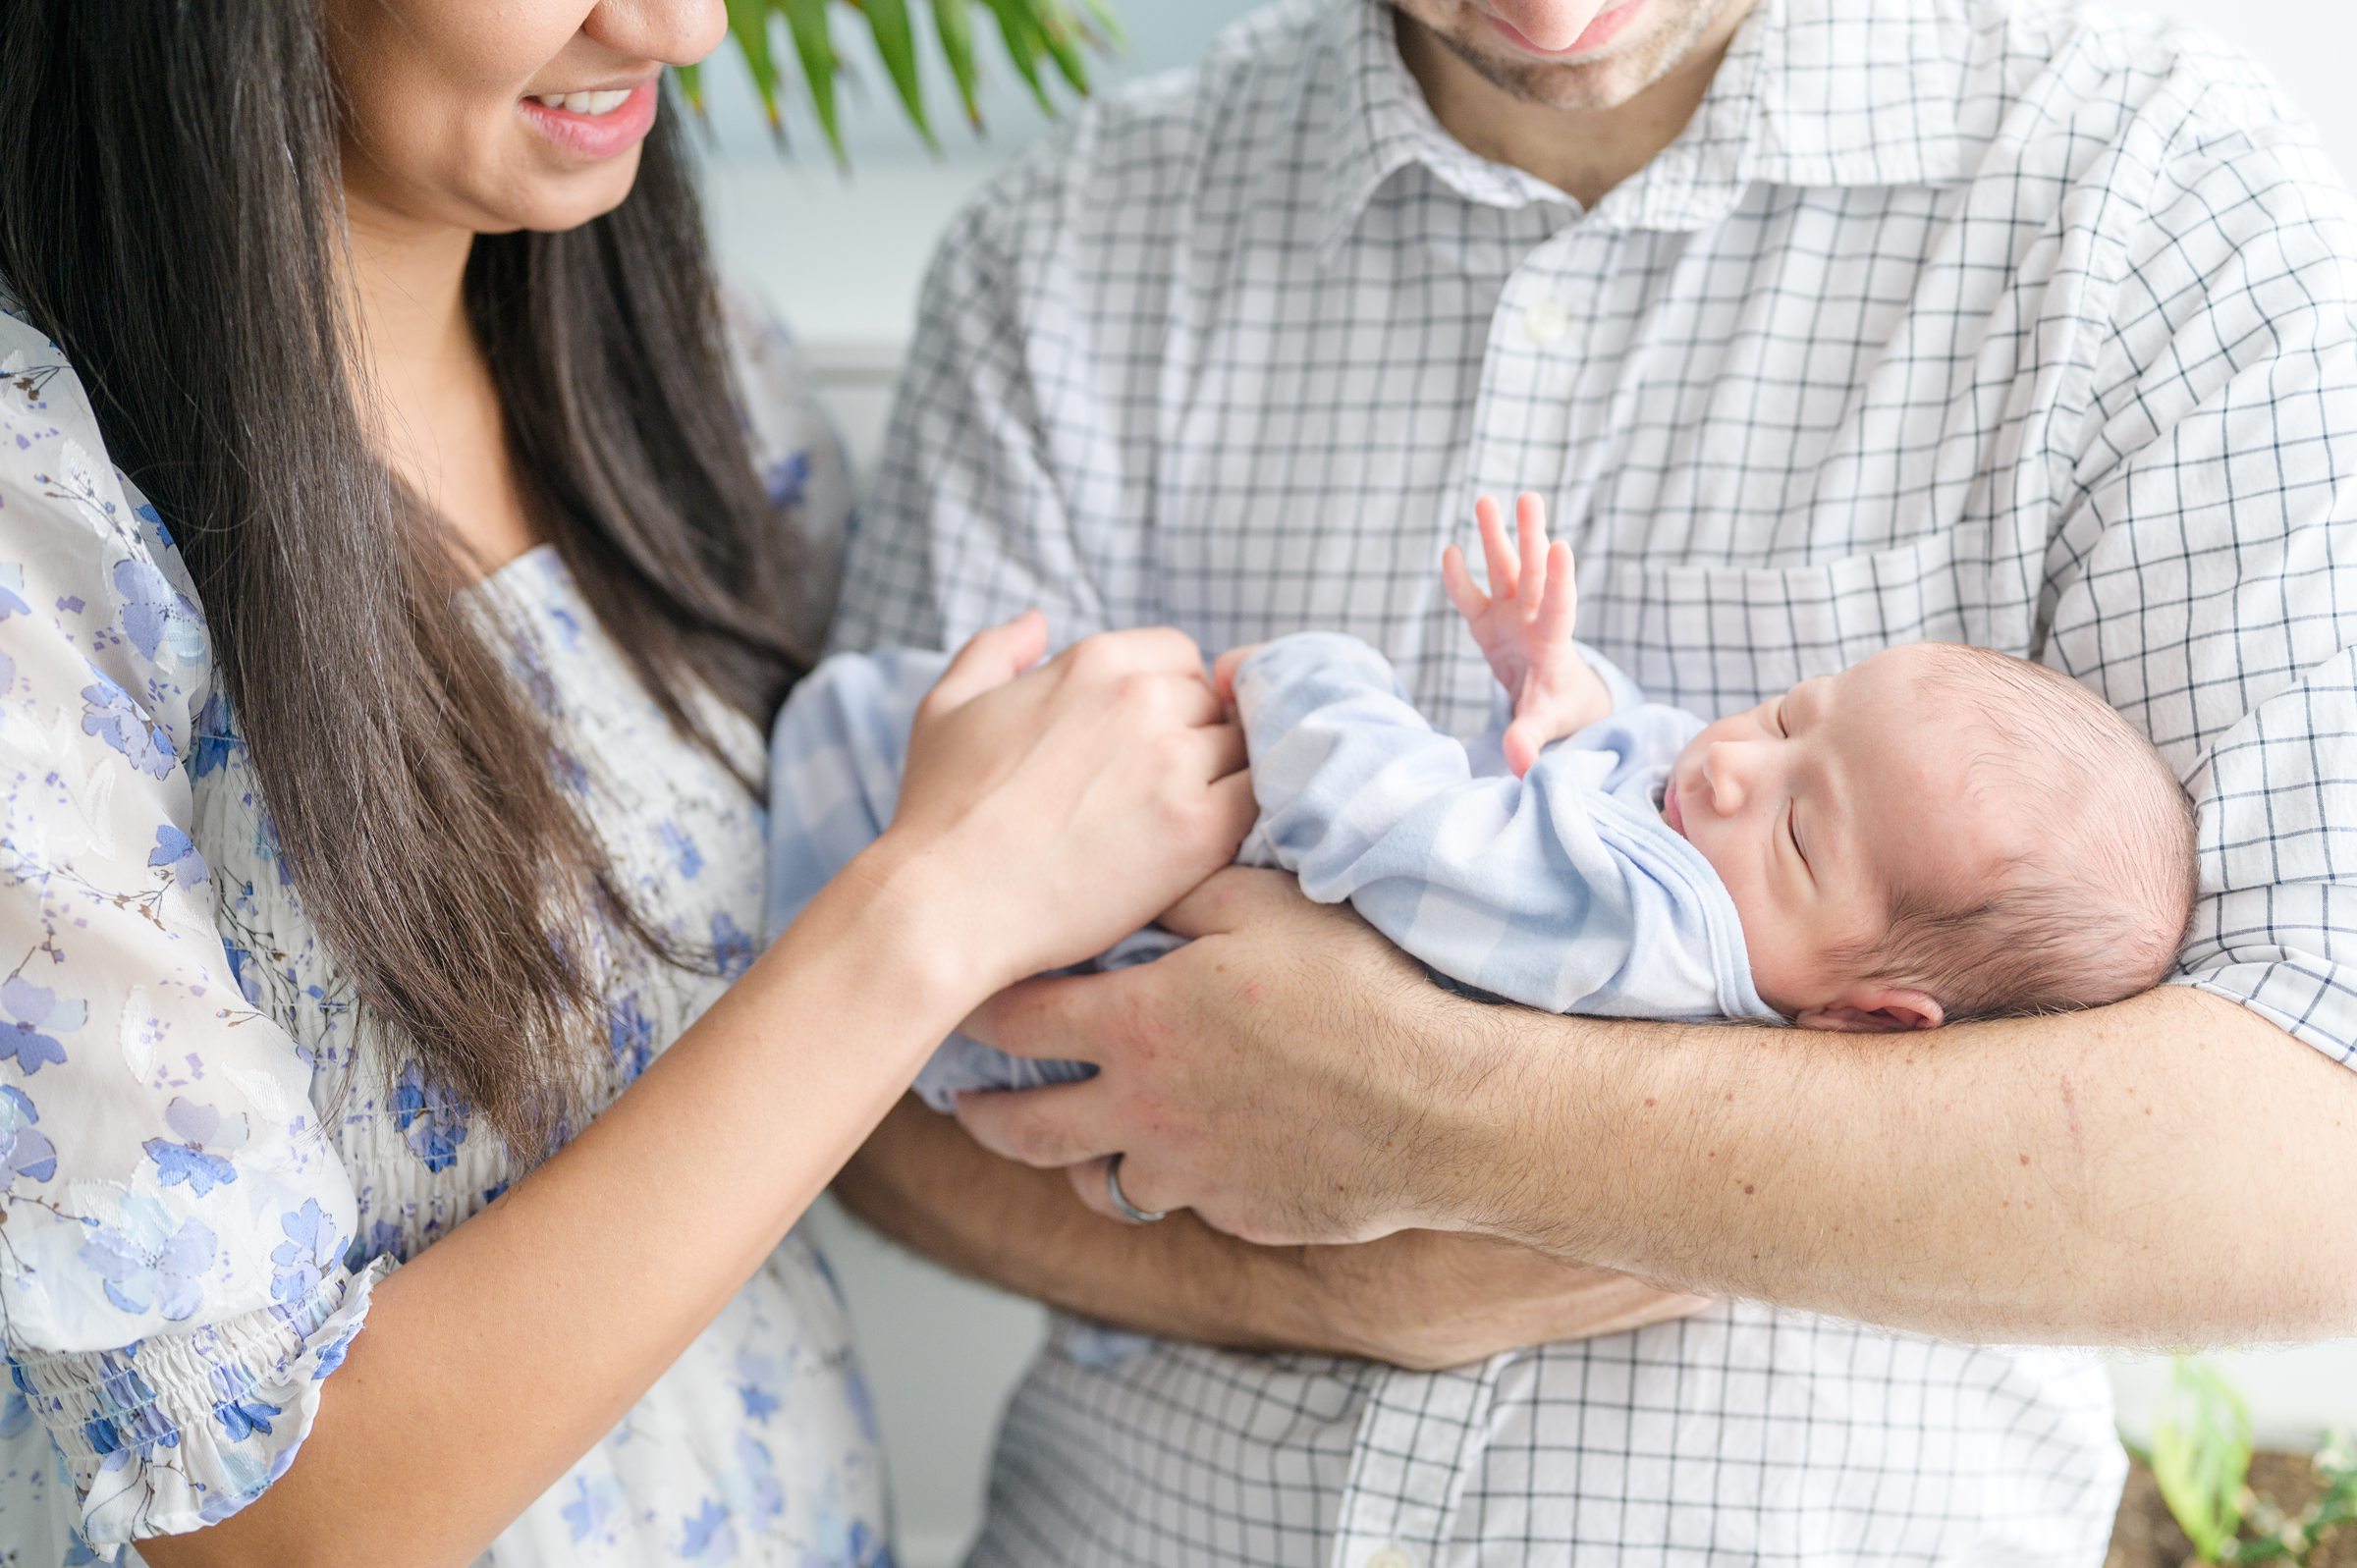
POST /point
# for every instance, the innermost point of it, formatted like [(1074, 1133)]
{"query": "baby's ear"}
[(1876, 1010)]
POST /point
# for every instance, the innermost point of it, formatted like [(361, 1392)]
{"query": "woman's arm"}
[(1420, 1299), (496, 1358)]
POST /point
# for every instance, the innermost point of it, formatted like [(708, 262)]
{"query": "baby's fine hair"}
[(2097, 909)]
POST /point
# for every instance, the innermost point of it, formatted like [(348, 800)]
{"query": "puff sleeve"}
[(172, 1279)]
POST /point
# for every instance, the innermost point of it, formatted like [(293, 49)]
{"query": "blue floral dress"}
[(206, 1164)]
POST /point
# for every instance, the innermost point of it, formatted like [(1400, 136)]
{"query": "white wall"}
[(841, 259)]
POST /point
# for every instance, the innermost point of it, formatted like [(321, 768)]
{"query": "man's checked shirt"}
[(2017, 325)]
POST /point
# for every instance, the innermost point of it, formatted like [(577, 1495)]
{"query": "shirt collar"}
[(1812, 92)]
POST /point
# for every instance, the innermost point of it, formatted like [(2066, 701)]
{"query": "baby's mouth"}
[(1670, 812)]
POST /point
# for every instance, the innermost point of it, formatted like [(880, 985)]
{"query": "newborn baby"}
[(1937, 833)]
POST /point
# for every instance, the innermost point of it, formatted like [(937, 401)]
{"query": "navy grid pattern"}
[(2013, 324)]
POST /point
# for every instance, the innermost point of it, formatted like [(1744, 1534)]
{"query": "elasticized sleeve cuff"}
[(177, 1431)]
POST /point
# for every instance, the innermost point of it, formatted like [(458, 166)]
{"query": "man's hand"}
[(2142, 1174), (1311, 1144), (1421, 1299), (1524, 625), (1429, 1299)]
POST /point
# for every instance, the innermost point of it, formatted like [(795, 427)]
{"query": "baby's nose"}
[(1722, 766)]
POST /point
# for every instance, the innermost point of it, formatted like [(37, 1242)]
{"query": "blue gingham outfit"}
[(1563, 890)]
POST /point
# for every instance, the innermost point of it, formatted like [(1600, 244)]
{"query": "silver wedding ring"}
[(1120, 1201)]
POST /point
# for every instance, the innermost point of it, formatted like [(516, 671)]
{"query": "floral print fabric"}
[(210, 1155)]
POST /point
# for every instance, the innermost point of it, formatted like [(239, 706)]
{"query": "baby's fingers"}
[(1521, 744), (1530, 532), (1496, 552), (1470, 602), (1558, 609)]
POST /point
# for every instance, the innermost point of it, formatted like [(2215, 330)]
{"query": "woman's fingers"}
[(1186, 701), (990, 659), (1222, 673), (1193, 702), (1224, 754), (1147, 650), (1233, 806), (1203, 755)]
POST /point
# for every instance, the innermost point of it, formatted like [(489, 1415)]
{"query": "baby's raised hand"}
[(1524, 625)]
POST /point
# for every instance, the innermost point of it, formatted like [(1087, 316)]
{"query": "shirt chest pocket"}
[(1714, 638)]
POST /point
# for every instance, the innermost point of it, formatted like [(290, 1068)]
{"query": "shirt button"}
[(1546, 321), (1389, 1557)]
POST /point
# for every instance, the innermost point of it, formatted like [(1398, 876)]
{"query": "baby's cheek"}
[(1777, 942)]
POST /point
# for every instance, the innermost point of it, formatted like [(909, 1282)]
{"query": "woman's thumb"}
[(990, 659)]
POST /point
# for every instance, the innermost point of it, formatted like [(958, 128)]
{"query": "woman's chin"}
[(569, 200)]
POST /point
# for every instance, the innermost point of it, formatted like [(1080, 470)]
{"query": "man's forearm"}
[(927, 1185), (2127, 1174), (1417, 1299)]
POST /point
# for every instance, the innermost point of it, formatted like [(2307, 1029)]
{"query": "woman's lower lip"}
[(1595, 35), (591, 136)]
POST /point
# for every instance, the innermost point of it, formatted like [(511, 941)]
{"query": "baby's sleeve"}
[(1543, 890), (176, 1290)]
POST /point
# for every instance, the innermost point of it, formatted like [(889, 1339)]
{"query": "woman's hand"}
[(1071, 803)]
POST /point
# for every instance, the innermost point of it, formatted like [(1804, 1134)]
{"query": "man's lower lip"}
[(1601, 31), (599, 135)]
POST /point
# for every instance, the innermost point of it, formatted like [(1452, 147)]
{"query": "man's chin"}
[(1665, 33), (1602, 80)]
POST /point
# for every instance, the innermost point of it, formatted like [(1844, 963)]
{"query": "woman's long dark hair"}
[(171, 212)]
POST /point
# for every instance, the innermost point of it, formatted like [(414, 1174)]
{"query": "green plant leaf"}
[(1064, 31), (895, 42), (691, 85), (956, 25), (1108, 27), (806, 22), (2202, 1455), (748, 25), (1061, 33), (1019, 28)]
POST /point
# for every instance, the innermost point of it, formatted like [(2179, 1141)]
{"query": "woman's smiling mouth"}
[(595, 123)]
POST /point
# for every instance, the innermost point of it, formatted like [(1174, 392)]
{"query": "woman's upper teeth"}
[(587, 102)]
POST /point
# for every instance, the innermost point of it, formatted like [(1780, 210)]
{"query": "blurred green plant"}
[(1038, 35), (2201, 1457), (2202, 1454)]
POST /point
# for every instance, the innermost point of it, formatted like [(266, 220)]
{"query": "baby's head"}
[(1940, 833)]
